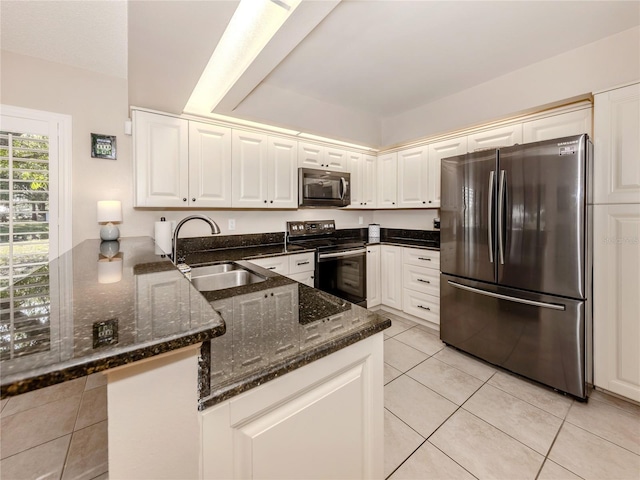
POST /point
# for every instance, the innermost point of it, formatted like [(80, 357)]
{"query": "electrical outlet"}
[(360, 220), (232, 224)]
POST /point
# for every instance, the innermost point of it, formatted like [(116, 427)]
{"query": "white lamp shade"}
[(109, 211)]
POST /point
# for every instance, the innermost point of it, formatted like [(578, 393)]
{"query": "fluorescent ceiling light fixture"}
[(253, 24), (331, 140)]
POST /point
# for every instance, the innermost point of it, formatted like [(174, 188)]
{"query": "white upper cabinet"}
[(413, 177), (311, 155), (617, 146), (387, 188), (264, 171), (249, 161), (335, 159), (495, 138), (363, 180), (558, 126), (161, 149), (282, 173), (438, 151), (209, 165)]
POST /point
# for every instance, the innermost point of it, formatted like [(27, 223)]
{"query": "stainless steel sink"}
[(221, 276)]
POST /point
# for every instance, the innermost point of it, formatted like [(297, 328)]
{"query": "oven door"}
[(343, 274)]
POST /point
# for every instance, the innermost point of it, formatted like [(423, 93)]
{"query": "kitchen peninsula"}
[(188, 371)]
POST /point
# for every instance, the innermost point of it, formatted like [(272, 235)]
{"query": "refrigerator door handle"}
[(501, 193), (552, 306), (490, 210)]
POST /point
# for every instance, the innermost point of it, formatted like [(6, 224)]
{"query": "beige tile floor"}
[(448, 415), (58, 432)]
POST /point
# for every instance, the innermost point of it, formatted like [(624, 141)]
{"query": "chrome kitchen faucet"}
[(174, 244)]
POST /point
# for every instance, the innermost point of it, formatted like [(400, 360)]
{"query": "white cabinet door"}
[(617, 146), (310, 155), (369, 181), (209, 165), (387, 180), (249, 165), (323, 420), (335, 159), (251, 312), (557, 126), (374, 295), (284, 322), (495, 138), (391, 276), (616, 304), (161, 153), (413, 177), (357, 182), (282, 173), (438, 151)]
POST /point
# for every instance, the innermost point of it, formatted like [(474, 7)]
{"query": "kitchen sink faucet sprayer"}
[(174, 244)]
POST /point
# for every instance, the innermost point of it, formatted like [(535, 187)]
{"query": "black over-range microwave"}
[(322, 188)]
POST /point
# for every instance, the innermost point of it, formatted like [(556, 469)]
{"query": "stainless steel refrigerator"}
[(515, 281)]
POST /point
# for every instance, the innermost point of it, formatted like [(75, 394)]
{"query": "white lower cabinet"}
[(616, 299), (391, 276), (299, 267), (323, 420), (421, 283), (374, 293)]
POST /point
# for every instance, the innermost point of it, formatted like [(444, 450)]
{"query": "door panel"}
[(465, 221), (544, 217), (541, 343)]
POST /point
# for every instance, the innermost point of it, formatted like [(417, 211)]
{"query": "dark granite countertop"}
[(272, 327), (83, 313)]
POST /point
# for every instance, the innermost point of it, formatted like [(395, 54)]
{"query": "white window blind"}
[(24, 244)]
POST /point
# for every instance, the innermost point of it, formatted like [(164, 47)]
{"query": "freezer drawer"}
[(538, 336)]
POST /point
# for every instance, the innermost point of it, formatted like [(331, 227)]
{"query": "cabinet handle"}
[(423, 258), (424, 308), (393, 203), (423, 281), (429, 201), (265, 201), (184, 199), (271, 201), (424, 202), (303, 263), (271, 268), (193, 199)]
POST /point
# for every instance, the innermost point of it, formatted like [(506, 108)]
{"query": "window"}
[(34, 227)]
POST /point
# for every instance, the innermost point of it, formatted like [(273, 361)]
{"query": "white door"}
[(391, 276), (335, 159), (249, 170), (310, 155), (161, 159), (357, 182), (438, 151), (368, 177), (495, 138), (387, 180), (374, 296), (557, 126), (209, 165), (616, 299), (283, 173), (617, 146), (413, 177)]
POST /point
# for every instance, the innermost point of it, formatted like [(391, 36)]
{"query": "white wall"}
[(409, 219), (609, 62), (99, 104)]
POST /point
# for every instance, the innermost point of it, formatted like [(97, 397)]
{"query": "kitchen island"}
[(175, 358)]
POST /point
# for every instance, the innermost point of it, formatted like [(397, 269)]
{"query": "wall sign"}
[(103, 146)]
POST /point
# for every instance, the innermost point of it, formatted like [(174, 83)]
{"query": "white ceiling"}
[(376, 58)]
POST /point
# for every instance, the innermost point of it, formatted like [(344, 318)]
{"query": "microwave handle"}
[(343, 184)]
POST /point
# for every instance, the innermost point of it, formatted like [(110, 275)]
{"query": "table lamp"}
[(109, 211)]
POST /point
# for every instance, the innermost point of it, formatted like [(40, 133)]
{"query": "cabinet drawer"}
[(302, 262), (421, 279), (424, 258), (277, 264), (303, 277), (422, 305)]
